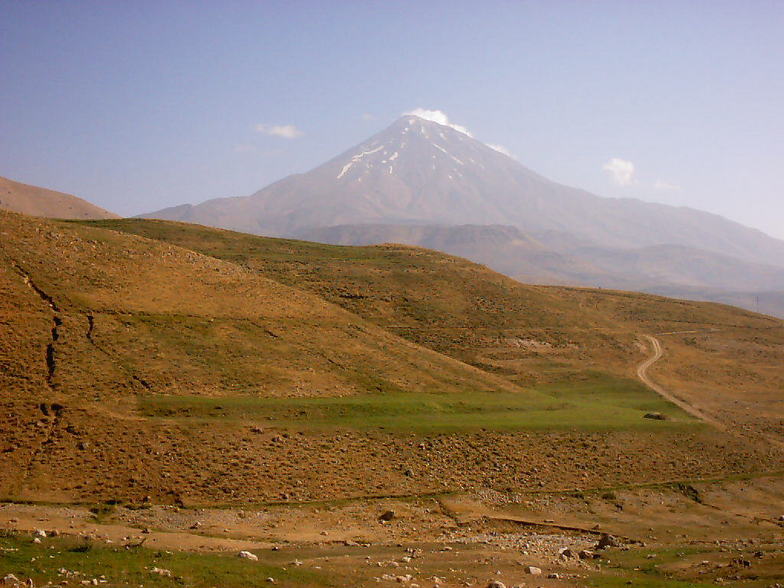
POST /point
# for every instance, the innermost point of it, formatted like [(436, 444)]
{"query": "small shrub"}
[(84, 547)]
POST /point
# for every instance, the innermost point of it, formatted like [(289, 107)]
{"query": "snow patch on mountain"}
[(500, 149), (440, 117), (356, 158), (447, 152)]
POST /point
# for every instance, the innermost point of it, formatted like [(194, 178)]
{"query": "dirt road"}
[(642, 373)]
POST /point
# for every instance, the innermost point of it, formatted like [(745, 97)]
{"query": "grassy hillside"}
[(728, 361), (530, 334), (141, 315), (219, 367)]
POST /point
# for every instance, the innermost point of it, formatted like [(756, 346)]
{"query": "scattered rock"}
[(387, 515), (496, 584), (161, 572), (565, 553), (606, 541), (657, 416), (11, 580), (586, 554), (533, 570), (39, 533), (248, 555)]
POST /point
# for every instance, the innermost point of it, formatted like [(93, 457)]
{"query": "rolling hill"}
[(35, 201), (504, 248), (221, 368), (533, 335)]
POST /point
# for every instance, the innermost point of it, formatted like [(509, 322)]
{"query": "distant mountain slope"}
[(672, 270), (503, 248), (35, 201), (686, 266), (771, 303), (419, 172)]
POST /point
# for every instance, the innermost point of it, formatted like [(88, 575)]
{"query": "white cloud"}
[(284, 131), (500, 149), (621, 171), (437, 116), (440, 117), (368, 116), (666, 186)]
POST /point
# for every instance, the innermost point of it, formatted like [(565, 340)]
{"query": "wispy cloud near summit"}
[(441, 117), (621, 171), (438, 116), (284, 131)]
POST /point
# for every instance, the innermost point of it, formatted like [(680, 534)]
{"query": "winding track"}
[(642, 373)]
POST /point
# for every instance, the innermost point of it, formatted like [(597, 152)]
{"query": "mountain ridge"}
[(418, 171), (36, 201)]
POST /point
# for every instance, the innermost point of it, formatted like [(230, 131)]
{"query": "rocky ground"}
[(91, 454), (646, 536)]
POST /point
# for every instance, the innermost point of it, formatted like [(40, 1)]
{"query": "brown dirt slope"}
[(36, 201)]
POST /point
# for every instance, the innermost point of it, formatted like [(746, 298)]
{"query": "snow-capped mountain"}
[(420, 172)]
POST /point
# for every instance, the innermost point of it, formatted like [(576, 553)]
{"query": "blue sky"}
[(140, 105)]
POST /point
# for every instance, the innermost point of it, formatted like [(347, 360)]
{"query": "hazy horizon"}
[(143, 106)]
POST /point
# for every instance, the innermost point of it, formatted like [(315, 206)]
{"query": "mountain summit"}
[(415, 171), (421, 172)]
